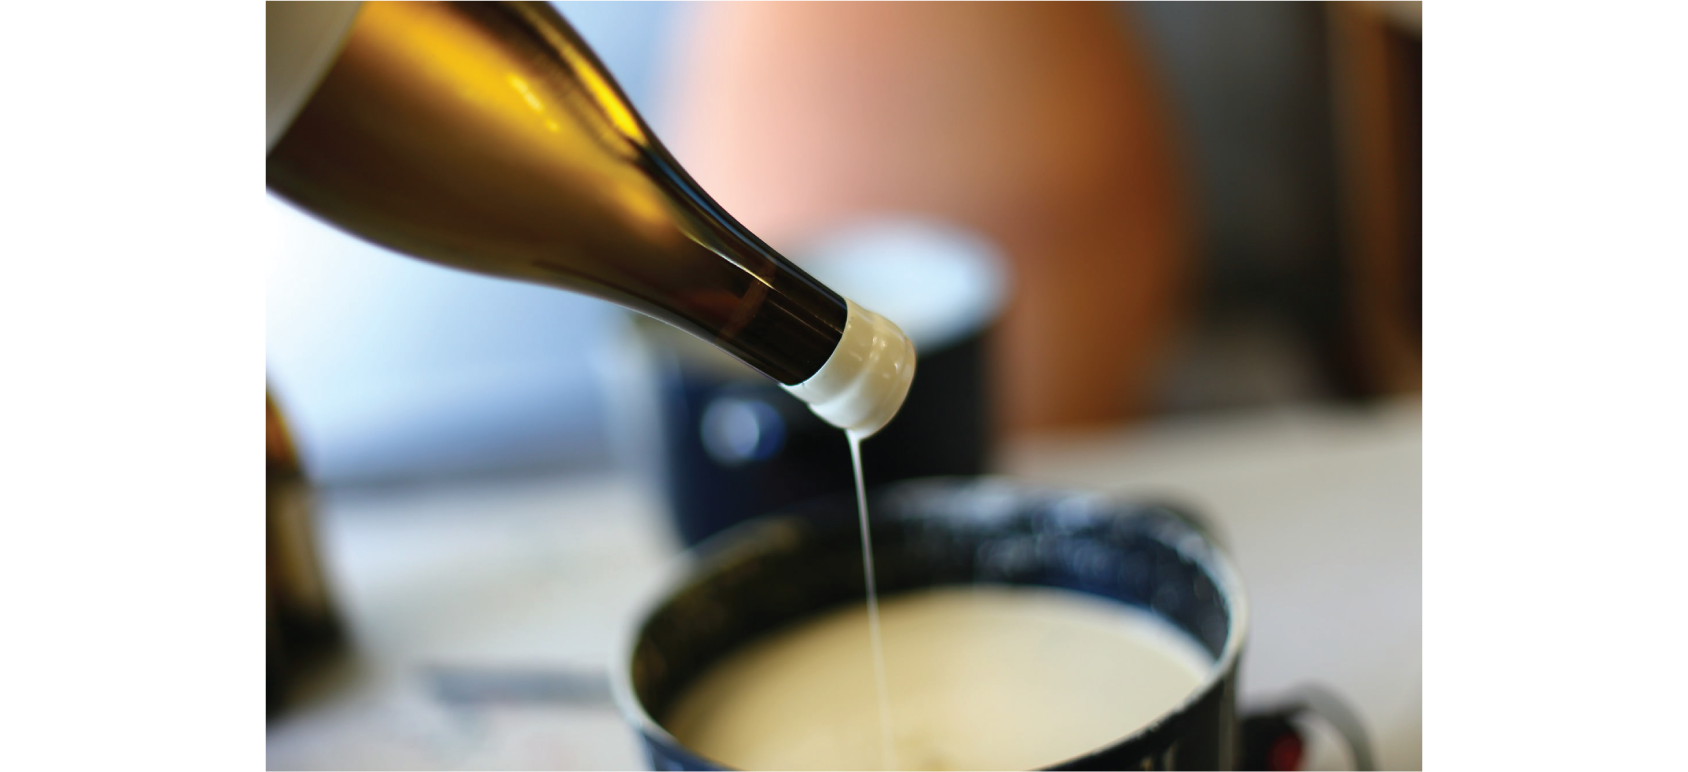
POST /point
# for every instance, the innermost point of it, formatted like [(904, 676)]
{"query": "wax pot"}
[(763, 575)]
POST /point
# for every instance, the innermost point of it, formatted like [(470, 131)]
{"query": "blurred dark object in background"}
[(303, 629), (1300, 128), (1379, 89)]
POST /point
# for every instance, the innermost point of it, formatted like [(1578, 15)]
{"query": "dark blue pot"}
[(765, 574)]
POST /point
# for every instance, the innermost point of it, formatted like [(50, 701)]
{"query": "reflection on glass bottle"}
[(303, 627)]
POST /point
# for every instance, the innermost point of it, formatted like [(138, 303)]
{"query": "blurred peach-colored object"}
[(1035, 124)]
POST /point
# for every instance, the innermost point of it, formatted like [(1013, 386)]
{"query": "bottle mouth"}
[(863, 384)]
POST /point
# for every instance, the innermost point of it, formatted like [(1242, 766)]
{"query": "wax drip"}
[(887, 748)]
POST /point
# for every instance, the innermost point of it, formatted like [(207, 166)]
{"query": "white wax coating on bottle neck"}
[(863, 384)]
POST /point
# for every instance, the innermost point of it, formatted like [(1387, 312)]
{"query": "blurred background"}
[(1239, 182), (1201, 231)]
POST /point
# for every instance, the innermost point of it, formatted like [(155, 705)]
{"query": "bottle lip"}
[(301, 41), (863, 384)]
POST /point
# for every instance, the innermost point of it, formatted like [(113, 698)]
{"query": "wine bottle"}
[(488, 137)]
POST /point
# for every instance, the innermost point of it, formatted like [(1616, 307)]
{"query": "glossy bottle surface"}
[(487, 137)]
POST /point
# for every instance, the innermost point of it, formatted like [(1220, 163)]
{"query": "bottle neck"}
[(785, 323)]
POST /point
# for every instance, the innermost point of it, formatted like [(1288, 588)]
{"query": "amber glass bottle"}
[(488, 137)]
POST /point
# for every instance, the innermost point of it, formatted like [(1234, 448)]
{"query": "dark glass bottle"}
[(488, 137)]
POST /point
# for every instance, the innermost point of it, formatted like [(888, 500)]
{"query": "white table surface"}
[(1320, 507)]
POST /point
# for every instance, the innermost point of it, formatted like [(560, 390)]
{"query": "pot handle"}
[(1269, 738)]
